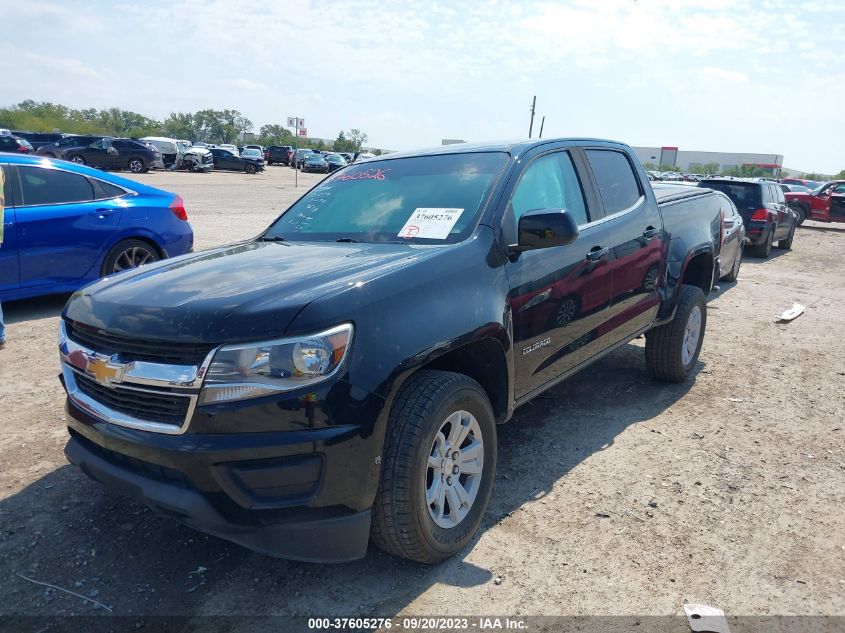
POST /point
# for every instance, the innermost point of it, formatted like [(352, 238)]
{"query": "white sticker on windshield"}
[(433, 223)]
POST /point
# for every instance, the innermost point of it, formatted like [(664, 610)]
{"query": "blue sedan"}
[(66, 225)]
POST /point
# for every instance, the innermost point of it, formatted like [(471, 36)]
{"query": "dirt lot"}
[(615, 494)]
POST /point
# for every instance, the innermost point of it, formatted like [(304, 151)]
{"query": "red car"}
[(810, 184), (825, 204)]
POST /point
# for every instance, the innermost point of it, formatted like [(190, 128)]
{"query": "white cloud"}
[(247, 84), (723, 74), (410, 72)]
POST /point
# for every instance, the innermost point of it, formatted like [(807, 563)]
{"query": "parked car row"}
[(674, 176)]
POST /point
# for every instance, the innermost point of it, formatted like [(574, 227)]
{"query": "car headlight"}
[(253, 370)]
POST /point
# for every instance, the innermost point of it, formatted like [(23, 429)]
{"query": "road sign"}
[(303, 131), (291, 121)]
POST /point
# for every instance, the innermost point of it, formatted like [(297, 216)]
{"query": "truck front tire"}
[(671, 350), (438, 465)]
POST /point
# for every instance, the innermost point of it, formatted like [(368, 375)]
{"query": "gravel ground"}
[(615, 494)]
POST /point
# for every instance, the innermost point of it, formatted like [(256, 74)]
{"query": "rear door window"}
[(105, 190), (617, 183), (53, 186)]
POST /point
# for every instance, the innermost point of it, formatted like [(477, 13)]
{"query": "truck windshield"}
[(422, 199)]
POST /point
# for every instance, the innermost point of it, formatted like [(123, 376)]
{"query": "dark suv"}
[(37, 139), (763, 209), (279, 154), (57, 149), (114, 153), (15, 145)]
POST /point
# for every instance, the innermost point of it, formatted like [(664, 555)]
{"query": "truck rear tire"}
[(672, 350), (438, 465)]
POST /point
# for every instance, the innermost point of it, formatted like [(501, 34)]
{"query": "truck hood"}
[(247, 291)]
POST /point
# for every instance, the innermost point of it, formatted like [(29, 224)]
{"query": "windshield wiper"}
[(273, 238), (346, 239)]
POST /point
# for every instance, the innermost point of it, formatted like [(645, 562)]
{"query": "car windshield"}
[(251, 152), (315, 157), (423, 199)]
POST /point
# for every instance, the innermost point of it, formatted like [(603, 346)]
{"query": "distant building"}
[(683, 160)]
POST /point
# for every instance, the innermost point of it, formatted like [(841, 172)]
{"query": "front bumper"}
[(269, 473), (265, 491), (330, 537)]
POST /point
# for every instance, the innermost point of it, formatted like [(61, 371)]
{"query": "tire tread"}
[(393, 529), (663, 343)]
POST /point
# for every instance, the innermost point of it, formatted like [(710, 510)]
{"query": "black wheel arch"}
[(698, 268)]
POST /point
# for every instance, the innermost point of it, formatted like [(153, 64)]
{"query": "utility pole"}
[(542, 123), (531, 125)]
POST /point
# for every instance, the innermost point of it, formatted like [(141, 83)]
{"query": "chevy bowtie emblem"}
[(97, 366)]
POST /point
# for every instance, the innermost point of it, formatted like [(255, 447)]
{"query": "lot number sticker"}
[(430, 222)]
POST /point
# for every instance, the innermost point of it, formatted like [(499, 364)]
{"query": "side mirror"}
[(545, 228)]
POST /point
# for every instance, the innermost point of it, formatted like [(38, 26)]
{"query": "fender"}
[(676, 270)]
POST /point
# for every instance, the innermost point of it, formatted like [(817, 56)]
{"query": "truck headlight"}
[(252, 370)]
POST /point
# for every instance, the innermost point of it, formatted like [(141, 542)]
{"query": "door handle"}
[(650, 232), (596, 253), (103, 213)]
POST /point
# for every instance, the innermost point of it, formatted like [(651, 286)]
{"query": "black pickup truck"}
[(340, 377)]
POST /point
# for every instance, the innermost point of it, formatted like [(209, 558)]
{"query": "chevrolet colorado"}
[(340, 377)]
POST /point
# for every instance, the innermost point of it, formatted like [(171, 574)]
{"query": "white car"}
[(229, 147), (171, 149)]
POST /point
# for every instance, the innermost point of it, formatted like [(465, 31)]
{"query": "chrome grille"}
[(161, 407)]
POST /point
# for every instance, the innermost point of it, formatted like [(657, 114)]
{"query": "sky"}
[(764, 76)]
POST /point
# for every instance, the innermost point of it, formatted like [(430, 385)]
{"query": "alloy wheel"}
[(692, 333), (132, 258), (454, 468)]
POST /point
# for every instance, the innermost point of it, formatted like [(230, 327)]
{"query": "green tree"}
[(357, 138), (817, 177), (274, 134), (707, 168), (351, 141), (180, 125), (840, 175), (746, 171), (341, 144)]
